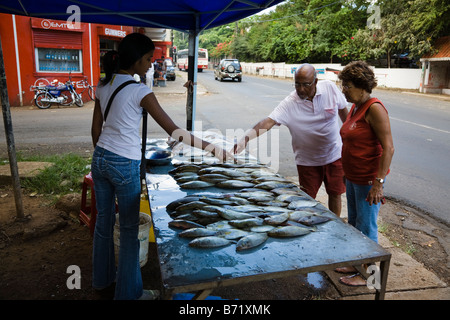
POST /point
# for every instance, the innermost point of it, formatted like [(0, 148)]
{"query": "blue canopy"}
[(182, 15)]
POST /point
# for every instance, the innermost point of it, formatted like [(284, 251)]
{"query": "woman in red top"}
[(367, 152)]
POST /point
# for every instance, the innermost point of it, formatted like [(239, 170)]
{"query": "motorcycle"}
[(46, 95)]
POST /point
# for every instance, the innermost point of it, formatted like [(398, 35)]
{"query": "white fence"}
[(401, 78)]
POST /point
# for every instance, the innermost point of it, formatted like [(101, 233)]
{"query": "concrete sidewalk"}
[(408, 279)]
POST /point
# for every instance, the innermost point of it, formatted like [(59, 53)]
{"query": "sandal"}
[(350, 284), (346, 270)]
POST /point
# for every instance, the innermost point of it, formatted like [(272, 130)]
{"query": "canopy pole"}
[(192, 77), (10, 138)]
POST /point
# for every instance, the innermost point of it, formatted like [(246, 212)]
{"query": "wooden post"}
[(192, 78), (10, 138)]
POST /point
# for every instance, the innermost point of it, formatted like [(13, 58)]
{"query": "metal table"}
[(186, 269)]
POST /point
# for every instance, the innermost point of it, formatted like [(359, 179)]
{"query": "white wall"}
[(391, 78)]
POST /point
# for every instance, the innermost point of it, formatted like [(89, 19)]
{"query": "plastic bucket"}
[(145, 223)]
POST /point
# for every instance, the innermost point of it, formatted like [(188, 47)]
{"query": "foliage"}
[(330, 31), (64, 176)]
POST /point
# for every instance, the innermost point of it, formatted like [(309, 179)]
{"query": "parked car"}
[(228, 69), (170, 70)]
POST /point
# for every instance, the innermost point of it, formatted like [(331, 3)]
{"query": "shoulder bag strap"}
[(114, 94)]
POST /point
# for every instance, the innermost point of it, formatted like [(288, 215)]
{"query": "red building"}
[(35, 48)]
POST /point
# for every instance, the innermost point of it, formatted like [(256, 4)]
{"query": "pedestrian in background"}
[(367, 153)]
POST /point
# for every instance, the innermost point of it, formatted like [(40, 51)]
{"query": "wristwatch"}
[(380, 180)]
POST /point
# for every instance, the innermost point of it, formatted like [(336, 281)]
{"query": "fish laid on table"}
[(269, 185), (308, 218), (219, 225), (187, 178), (176, 203), (277, 219), (291, 197), (196, 185), (191, 206), (294, 205), (290, 190), (234, 184), (260, 198), (197, 232), (213, 177), (184, 224), (229, 214), (221, 170), (263, 228), (271, 178), (185, 168), (251, 241), (231, 233), (273, 203), (246, 223), (209, 242), (205, 213), (288, 231)]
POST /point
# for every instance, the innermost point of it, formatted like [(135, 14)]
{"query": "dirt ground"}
[(35, 254)]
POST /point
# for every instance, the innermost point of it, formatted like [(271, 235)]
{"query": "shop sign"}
[(53, 24), (115, 33)]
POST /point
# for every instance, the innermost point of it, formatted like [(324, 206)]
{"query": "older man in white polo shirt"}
[(311, 114)]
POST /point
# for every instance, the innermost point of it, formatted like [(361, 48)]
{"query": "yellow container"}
[(145, 208)]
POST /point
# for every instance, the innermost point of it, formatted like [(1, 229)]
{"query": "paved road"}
[(421, 128)]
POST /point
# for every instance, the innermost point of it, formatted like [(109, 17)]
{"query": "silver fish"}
[(205, 214), (196, 185), (294, 205), (184, 224), (260, 198), (312, 219), (231, 233), (273, 203), (230, 184), (229, 214), (197, 232), (213, 177), (176, 203), (271, 178), (290, 190), (184, 168), (253, 193), (269, 185), (246, 223), (239, 200), (274, 209), (217, 202), (277, 219), (187, 178), (225, 171), (219, 225), (246, 208), (288, 231), (209, 242), (251, 241), (185, 174), (290, 197), (191, 206), (263, 228)]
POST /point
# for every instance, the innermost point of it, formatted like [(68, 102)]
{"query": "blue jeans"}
[(116, 176), (361, 215)]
